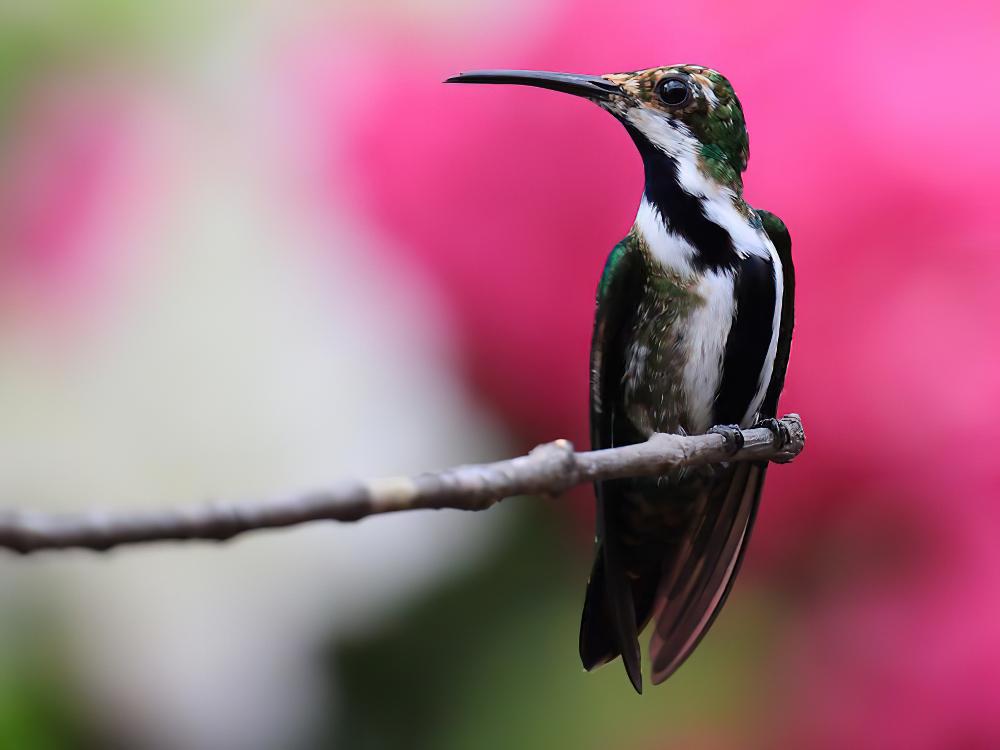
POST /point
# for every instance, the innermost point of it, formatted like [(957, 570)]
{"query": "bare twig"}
[(549, 469)]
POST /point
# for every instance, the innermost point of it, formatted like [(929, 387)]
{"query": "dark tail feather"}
[(598, 643), (614, 613), (608, 626)]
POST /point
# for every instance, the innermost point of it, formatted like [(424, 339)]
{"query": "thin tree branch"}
[(549, 469)]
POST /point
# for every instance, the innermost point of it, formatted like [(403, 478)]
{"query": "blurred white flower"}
[(238, 351)]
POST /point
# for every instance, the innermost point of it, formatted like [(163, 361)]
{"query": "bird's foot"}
[(732, 434), (779, 429)]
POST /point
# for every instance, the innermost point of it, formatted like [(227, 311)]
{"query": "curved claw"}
[(779, 429), (732, 434)]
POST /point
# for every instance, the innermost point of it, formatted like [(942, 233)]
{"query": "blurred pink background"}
[(249, 250)]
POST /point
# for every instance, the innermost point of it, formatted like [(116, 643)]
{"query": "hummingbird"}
[(692, 334)]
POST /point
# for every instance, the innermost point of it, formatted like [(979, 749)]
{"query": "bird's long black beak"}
[(591, 87)]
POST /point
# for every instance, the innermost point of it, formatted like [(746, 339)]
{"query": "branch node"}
[(558, 466)]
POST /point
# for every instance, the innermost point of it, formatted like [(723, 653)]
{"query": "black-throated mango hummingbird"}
[(692, 334)]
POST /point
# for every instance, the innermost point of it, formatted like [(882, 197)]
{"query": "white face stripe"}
[(671, 136), (704, 344)]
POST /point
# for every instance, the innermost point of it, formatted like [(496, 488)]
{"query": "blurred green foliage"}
[(39, 705), (44, 38)]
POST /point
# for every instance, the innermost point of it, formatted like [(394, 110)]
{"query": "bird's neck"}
[(689, 219)]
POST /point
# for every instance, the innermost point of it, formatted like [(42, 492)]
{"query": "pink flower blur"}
[(907, 658), (64, 171)]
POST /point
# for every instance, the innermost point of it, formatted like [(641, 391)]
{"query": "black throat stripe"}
[(682, 211)]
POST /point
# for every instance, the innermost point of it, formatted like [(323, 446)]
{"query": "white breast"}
[(668, 247), (704, 345)]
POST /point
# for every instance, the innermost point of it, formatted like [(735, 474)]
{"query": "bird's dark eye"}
[(673, 91)]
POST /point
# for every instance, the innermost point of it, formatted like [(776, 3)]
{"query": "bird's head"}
[(689, 112)]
